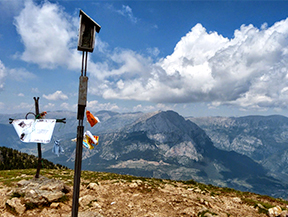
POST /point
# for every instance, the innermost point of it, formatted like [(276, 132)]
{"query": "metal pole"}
[(82, 63), (86, 55), (38, 144), (82, 98), (77, 172), (86, 24)]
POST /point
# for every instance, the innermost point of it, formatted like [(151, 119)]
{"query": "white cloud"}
[(23, 106), (126, 11), (15, 74), (153, 51), (20, 74), (34, 90), (21, 94), (49, 106), (58, 95), (2, 105), (69, 107), (49, 35), (138, 107), (164, 107), (11, 7), (249, 70), (142, 108), (2, 75), (123, 76), (65, 105), (95, 105)]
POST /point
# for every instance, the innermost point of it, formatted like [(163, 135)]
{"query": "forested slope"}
[(11, 159)]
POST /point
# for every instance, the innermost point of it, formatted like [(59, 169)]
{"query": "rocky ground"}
[(104, 194)]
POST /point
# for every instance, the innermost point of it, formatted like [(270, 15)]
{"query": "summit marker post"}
[(86, 42)]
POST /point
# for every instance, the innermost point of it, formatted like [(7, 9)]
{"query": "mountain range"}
[(262, 138), (245, 153)]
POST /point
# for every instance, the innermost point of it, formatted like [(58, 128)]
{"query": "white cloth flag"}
[(39, 130)]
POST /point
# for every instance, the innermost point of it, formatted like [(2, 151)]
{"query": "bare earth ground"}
[(134, 196)]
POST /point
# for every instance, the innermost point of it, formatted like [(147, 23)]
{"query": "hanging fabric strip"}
[(38, 131), (91, 118), (88, 140), (57, 149)]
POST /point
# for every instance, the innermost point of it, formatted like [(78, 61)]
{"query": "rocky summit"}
[(106, 194)]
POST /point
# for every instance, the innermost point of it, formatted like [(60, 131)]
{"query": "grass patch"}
[(11, 209), (9, 177), (30, 206), (202, 214), (190, 182), (92, 201), (17, 194), (262, 206), (63, 199), (213, 194), (254, 203), (95, 177)]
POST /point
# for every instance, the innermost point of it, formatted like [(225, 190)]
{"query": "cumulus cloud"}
[(9, 8), (20, 74), (58, 95), (126, 11), (49, 106), (35, 90), (2, 75), (95, 105), (123, 76), (48, 35), (15, 74), (249, 70), (23, 106), (149, 108), (2, 105), (65, 105)]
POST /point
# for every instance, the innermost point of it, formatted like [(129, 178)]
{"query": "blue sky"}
[(198, 58)]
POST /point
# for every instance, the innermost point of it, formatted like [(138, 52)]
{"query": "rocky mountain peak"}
[(160, 122)]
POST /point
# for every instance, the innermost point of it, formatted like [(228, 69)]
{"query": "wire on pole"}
[(82, 63), (86, 55)]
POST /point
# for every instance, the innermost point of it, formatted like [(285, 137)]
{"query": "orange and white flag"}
[(91, 119)]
